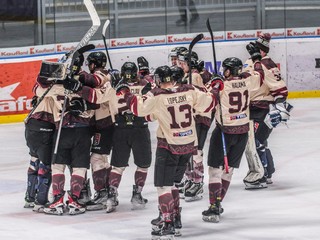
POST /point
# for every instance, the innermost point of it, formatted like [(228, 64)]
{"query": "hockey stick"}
[(81, 51), (86, 38), (225, 156), (193, 42), (104, 29)]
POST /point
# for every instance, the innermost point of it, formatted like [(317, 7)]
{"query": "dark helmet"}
[(177, 74), (129, 71), (163, 74), (183, 56), (233, 64), (99, 59), (175, 51), (78, 62)]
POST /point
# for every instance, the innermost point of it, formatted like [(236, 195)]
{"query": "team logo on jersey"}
[(183, 134), (240, 116)]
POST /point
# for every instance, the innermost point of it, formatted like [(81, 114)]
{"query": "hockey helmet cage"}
[(99, 59), (233, 64), (177, 74), (163, 74), (129, 71)]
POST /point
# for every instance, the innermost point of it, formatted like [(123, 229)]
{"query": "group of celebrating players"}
[(93, 120)]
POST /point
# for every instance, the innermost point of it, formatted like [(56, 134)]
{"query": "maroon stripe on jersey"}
[(268, 63), (88, 94), (177, 149), (258, 68), (211, 105), (134, 105), (280, 92), (148, 118), (236, 129)]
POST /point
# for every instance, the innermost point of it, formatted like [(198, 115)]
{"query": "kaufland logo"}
[(141, 41), (9, 104), (113, 43), (61, 48), (16, 53), (231, 35), (38, 51), (292, 33), (172, 39)]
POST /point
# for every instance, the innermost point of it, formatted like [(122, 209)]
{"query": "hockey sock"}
[(140, 177), (44, 182)]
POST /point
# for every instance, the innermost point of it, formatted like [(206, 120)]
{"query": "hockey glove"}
[(143, 64), (279, 112), (115, 77), (72, 84), (254, 51), (146, 88), (217, 81), (77, 106)]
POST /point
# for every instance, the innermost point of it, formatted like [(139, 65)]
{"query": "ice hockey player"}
[(172, 105), (268, 100), (232, 125), (39, 130), (193, 189), (102, 129), (130, 133), (73, 147)]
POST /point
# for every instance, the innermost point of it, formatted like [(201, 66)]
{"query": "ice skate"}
[(258, 184), (99, 201), (164, 231), (56, 207), (194, 193), (112, 200), (137, 201), (177, 222), (39, 208), (185, 183), (29, 202), (213, 213), (74, 206), (85, 194)]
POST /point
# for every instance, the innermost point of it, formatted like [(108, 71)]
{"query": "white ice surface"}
[(288, 209)]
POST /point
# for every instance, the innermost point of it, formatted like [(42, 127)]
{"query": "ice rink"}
[(288, 209)]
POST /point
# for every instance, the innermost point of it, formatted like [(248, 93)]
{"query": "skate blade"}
[(167, 237), (192, 199), (255, 186), (213, 219), (96, 207), (76, 211), (53, 211)]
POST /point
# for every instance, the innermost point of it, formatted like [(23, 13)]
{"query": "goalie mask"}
[(99, 59), (233, 64), (129, 72), (163, 74)]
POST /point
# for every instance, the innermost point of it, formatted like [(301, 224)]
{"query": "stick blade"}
[(86, 48), (195, 40), (105, 26)]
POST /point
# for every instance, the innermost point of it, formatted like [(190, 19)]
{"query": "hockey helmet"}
[(183, 56), (129, 71), (177, 74), (99, 59), (163, 74), (233, 64)]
